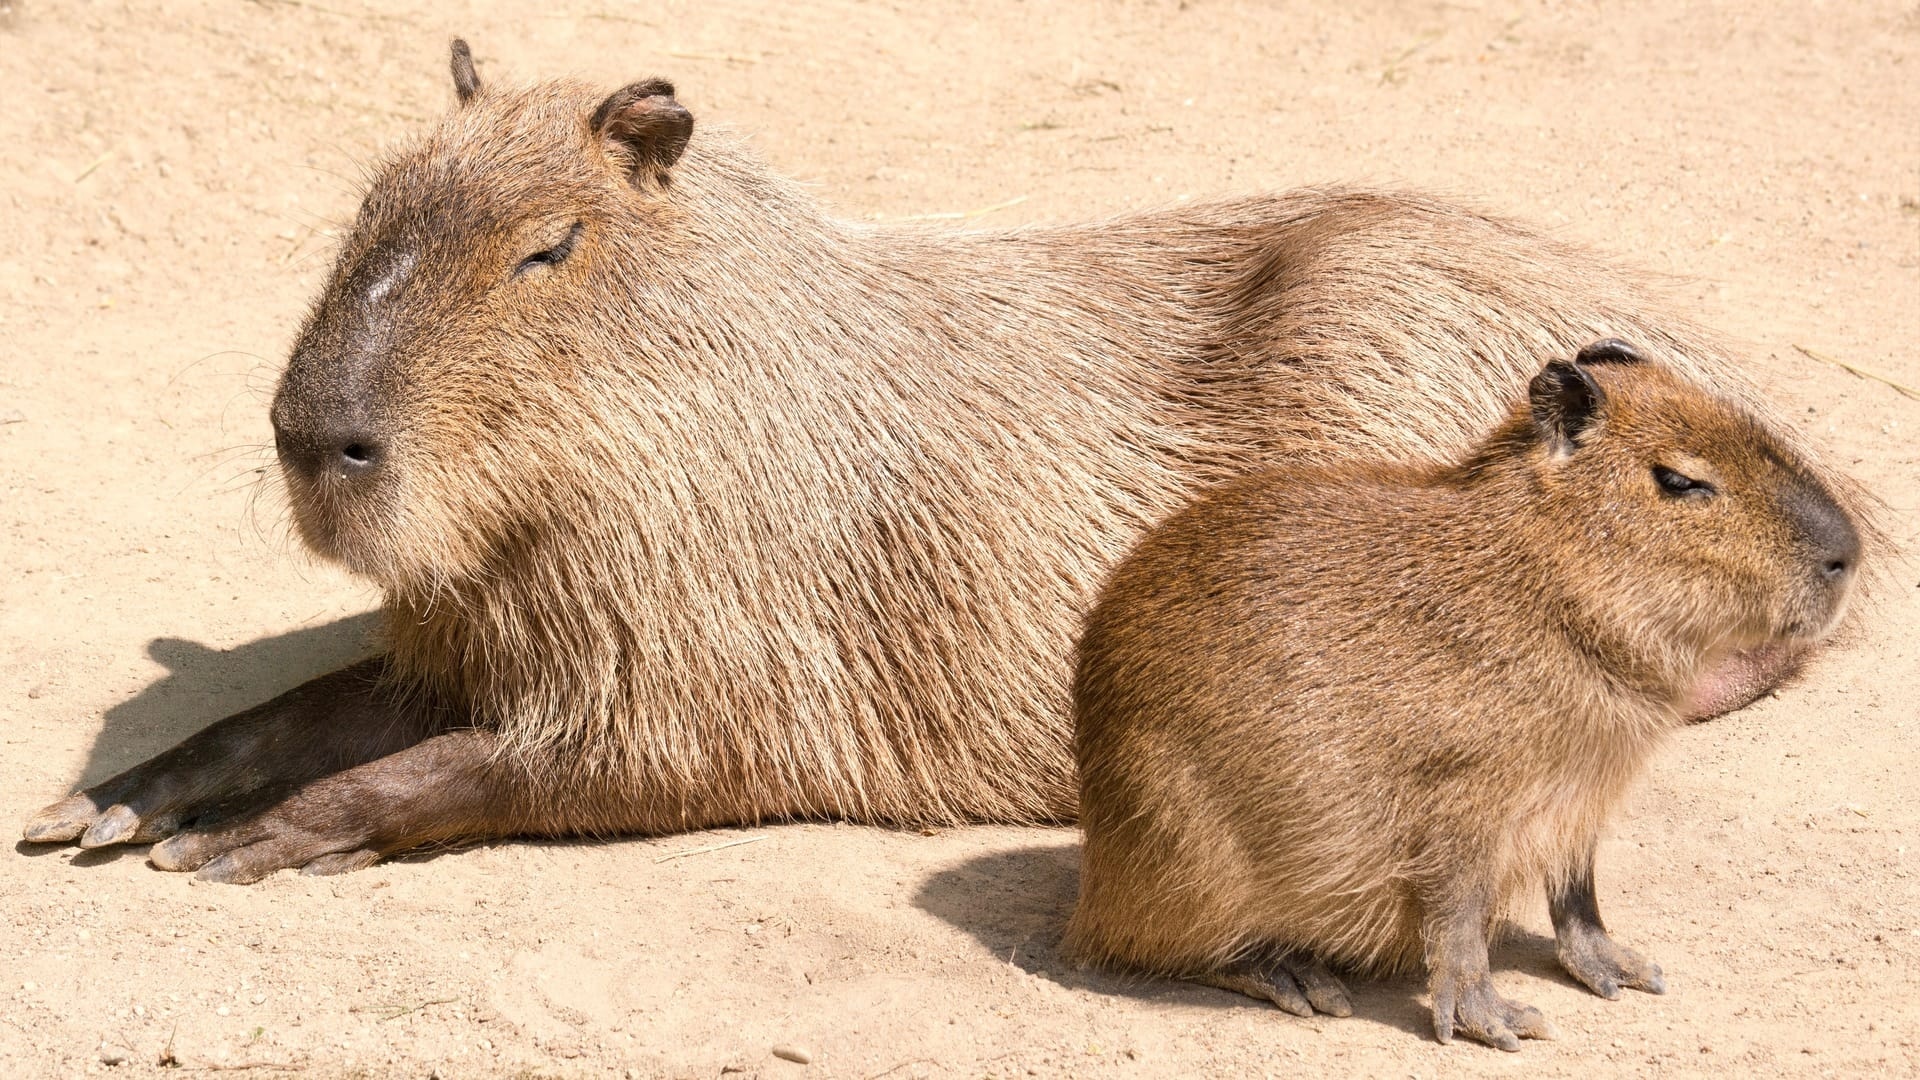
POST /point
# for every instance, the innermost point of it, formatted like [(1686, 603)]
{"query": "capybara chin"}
[(693, 506), (1342, 717)]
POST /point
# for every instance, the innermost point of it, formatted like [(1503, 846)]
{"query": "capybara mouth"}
[(335, 521)]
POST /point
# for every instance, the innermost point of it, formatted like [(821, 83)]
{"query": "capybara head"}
[(467, 303), (1729, 539)]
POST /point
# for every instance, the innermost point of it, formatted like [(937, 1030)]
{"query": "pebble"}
[(222, 1010), (795, 1054)]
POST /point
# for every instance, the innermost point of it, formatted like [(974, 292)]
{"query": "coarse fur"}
[(1322, 705), (694, 506), (960, 434)]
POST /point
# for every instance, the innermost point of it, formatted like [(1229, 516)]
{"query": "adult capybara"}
[(693, 506), (1347, 715)]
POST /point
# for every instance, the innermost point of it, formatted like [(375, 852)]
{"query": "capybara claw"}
[(49, 829), (118, 824), (187, 851), (53, 832), (63, 822)]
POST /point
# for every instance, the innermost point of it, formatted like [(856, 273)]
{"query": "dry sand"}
[(170, 177)]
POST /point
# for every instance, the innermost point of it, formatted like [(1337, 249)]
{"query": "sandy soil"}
[(168, 185)]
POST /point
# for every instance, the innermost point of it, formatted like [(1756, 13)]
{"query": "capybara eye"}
[(1679, 484), (554, 255)]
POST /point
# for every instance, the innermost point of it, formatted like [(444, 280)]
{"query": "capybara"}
[(693, 506), (1343, 716)]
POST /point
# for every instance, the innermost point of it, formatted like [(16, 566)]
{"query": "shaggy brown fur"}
[(1346, 715), (694, 506)]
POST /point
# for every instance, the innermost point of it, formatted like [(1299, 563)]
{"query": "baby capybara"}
[(1343, 717)]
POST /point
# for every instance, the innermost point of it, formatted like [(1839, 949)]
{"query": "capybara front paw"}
[(1472, 1008), (1592, 957), (287, 836)]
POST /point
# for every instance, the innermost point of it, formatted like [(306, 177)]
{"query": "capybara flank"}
[(1341, 717), (693, 506)]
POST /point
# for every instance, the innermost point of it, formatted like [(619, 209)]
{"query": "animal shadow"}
[(1016, 903), (204, 684)]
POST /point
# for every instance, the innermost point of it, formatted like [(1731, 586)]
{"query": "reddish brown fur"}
[(743, 513), (1321, 706)]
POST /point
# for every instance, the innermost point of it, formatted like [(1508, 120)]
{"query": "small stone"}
[(795, 1054), (112, 1057), (38, 691), (222, 1011), (12, 416)]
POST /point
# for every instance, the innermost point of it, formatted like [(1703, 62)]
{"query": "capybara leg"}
[(1296, 982), (1737, 681), (1583, 946), (332, 723), (1462, 987), (449, 787)]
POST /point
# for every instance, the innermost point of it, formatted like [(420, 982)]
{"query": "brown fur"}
[(815, 540), (1321, 706), (737, 512)]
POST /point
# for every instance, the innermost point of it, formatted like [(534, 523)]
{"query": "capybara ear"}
[(1609, 351), (645, 124), (466, 81), (1566, 402)]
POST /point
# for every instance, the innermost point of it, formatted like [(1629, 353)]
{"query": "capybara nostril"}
[(316, 450), (359, 456), (1828, 529)]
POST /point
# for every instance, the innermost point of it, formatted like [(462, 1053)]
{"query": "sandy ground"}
[(169, 179)]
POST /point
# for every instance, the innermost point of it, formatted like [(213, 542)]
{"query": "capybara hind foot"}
[(1296, 982), (243, 762), (1470, 1006), (449, 787)]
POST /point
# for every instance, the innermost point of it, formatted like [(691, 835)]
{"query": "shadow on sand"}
[(1016, 904), (203, 685)]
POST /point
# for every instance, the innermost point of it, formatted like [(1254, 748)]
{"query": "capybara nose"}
[(347, 450), (1836, 542), (1836, 569)]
